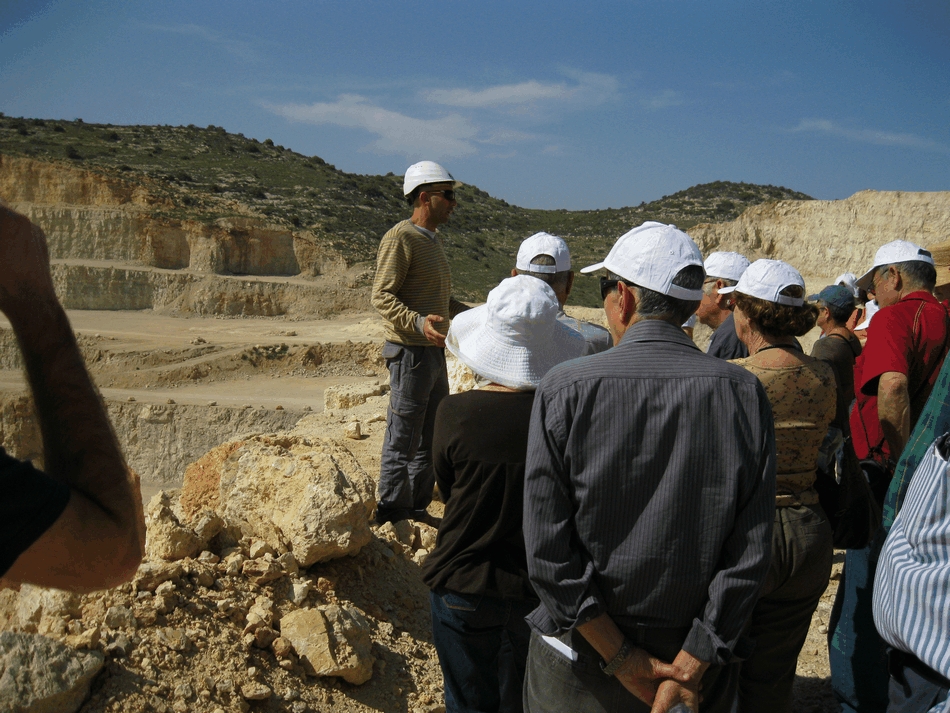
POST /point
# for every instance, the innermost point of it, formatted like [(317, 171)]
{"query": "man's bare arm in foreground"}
[(98, 540)]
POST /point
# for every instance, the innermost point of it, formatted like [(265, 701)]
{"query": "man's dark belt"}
[(898, 660)]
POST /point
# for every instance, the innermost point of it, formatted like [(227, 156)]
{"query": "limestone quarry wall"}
[(90, 217), (109, 287), (158, 440), (830, 237)]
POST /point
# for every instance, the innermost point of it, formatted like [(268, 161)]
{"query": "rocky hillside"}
[(179, 192)]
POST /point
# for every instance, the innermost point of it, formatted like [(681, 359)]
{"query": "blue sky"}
[(545, 104)]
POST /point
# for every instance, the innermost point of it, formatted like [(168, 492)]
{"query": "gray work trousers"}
[(418, 383)]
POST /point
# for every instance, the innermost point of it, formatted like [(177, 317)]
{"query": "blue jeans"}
[(482, 644), (914, 686), (418, 383), (857, 654)]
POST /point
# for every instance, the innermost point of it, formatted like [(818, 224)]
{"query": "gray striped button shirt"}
[(650, 491)]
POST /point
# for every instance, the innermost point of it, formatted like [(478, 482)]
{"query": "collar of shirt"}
[(920, 295), (657, 330), (425, 231)]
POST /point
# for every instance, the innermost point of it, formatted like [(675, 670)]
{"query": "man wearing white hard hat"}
[(723, 269), (412, 292), (906, 344), (648, 514), (548, 258), (477, 571)]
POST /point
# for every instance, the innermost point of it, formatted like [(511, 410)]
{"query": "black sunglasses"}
[(447, 193), (608, 285)]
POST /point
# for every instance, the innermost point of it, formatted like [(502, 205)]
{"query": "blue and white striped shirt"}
[(912, 583)]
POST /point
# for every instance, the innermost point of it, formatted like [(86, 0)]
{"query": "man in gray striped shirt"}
[(649, 500)]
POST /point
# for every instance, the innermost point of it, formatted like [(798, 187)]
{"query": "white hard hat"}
[(419, 174)]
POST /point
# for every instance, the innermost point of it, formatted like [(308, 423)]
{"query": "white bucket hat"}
[(543, 244), (515, 337), (726, 265), (895, 251), (766, 279), (424, 172), (650, 256)]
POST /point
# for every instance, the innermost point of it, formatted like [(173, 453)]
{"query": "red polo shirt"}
[(909, 337)]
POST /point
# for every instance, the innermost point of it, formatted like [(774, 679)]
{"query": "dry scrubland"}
[(252, 405)]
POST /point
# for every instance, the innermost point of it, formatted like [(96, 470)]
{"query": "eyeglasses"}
[(608, 285), (447, 193)]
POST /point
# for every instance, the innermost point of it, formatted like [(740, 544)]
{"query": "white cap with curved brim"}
[(849, 280), (766, 279), (870, 309), (515, 337), (425, 172), (894, 252), (543, 244), (651, 256), (725, 265)]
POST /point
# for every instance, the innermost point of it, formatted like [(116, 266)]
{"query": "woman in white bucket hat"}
[(770, 312), (478, 569)]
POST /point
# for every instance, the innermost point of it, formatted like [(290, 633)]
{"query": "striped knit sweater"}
[(412, 281)]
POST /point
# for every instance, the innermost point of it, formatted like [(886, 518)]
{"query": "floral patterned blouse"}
[(803, 399)]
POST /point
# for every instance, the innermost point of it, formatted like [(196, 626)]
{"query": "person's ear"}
[(722, 301), (570, 284), (628, 302), (893, 272), (514, 272)]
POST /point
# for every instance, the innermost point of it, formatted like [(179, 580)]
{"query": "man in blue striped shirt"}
[(912, 590)]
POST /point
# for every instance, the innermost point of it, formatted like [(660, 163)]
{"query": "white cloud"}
[(664, 100), (586, 87), (444, 137), (523, 93), (869, 136)]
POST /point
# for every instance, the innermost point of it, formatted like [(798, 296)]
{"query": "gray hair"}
[(557, 280), (655, 305)]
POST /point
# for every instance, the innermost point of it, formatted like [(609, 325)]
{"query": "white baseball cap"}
[(419, 174), (766, 279), (849, 280), (895, 251), (543, 244), (870, 309), (726, 265), (515, 337), (650, 256)]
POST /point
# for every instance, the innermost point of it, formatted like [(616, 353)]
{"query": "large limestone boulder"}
[(331, 641), (306, 495), (39, 675)]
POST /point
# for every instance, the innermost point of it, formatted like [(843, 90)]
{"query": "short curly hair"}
[(775, 320)]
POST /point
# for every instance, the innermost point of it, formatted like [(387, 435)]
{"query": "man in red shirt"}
[(906, 344)]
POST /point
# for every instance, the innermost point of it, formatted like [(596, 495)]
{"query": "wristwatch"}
[(617, 661)]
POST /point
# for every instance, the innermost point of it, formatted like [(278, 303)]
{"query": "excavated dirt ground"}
[(153, 358)]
